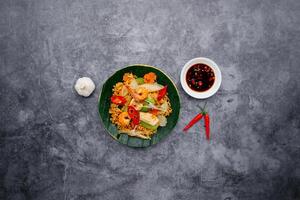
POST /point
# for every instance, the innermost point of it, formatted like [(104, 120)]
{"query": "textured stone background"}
[(53, 145)]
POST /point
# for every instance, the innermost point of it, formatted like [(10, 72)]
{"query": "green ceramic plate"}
[(104, 104)]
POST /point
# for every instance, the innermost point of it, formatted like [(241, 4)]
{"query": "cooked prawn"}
[(139, 94), (127, 77), (150, 77), (124, 119)]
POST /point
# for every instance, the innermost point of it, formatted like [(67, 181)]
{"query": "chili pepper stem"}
[(204, 106), (202, 109)]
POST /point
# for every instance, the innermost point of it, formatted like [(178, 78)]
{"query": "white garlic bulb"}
[(84, 86)]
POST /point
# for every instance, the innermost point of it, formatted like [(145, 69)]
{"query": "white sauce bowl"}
[(214, 88)]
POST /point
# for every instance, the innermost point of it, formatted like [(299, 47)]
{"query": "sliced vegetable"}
[(144, 109), (162, 120), (149, 118), (119, 100), (152, 87), (152, 106), (164, 106), (135, 104), (150, 100), (140, 80), (134, 115), (162, 93), (154, 111), (149, 105), (124, 91), (133, 84), (148, 126)]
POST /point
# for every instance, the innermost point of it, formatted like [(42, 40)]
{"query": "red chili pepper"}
[(119, 100), (162, 92), (193, 121), (134, 115), (154, 111), (207, 128)]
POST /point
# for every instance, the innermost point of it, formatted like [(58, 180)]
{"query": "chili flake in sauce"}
[(200, 77)]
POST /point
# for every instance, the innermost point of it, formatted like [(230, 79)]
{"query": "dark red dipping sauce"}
[(200, 77)]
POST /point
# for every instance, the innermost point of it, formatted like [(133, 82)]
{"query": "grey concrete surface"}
[(53, 145)]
